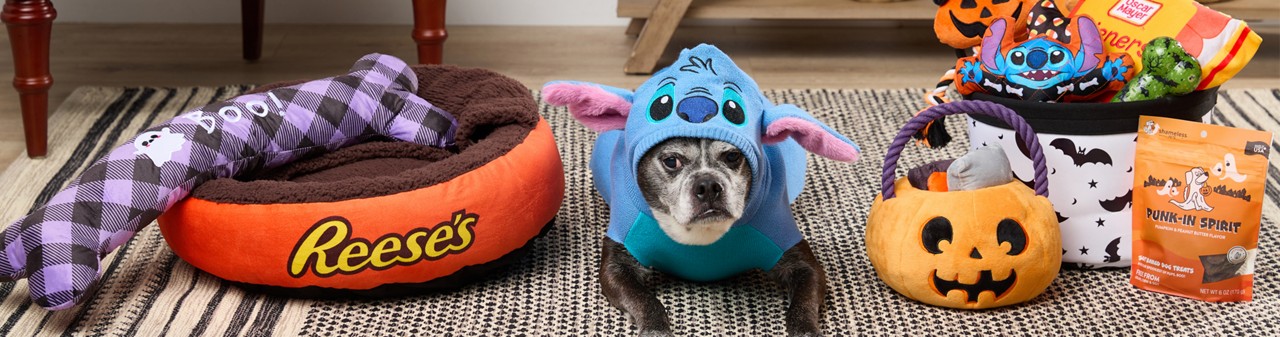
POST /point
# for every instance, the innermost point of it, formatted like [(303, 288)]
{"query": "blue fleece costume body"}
[(704, 95)]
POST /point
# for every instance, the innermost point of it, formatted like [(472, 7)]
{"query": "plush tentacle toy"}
[(934, 134), (59, 245)]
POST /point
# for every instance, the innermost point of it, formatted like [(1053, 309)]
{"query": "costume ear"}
[(783, 121), (599, 107), (991, 45), (1090, 44)]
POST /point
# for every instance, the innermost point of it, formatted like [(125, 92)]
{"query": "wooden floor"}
[(891, 56)]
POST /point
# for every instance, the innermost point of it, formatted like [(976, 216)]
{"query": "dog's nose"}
[(697, 109), (707, 190)]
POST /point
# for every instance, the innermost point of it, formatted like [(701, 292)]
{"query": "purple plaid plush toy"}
[(58, 246)]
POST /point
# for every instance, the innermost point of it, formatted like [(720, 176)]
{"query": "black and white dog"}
[(699, 171)]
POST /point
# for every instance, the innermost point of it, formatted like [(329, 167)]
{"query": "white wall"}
[(460, 12)]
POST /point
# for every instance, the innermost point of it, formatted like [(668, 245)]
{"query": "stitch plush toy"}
[(58, 245), (1057, 65), (706, 96)]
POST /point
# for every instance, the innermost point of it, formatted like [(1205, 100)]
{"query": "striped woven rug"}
[(147, 290)]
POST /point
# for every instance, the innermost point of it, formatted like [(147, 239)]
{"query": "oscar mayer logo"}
[(328, 248), (1136, 12)]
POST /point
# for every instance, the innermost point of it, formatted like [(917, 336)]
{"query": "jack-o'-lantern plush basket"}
[(386, 218), (975, 249)]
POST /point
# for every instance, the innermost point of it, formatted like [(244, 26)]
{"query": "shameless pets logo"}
[(328, 248)]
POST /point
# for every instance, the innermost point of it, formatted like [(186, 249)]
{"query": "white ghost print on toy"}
[(159, 145)]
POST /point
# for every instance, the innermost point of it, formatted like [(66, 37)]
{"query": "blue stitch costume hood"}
[(703, 95)]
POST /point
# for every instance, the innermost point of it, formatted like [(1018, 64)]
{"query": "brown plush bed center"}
[(371, 168), (495, 113)]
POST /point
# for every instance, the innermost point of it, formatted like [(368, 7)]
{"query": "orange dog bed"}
[(380, 218)]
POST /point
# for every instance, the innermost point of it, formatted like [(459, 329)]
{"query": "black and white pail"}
[(1089, 148)]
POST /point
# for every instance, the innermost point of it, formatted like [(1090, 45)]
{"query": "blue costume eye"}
[(733, 110), (663, 103)]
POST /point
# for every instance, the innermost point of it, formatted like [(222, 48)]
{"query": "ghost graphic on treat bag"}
[(1227, 169), (159, 146)]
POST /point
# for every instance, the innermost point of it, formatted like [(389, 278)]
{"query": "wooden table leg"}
[(636, 25), (655, 35), (30, 23), (251, 28), (429, 31)]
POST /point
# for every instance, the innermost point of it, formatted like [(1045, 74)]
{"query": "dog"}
[(1194, 200), (699, 170), (696, 188)]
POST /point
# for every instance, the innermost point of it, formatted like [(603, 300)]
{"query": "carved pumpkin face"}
[(974, 249), (961, 23)]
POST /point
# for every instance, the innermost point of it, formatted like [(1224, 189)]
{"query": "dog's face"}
[(1197, 176), (696, 188)]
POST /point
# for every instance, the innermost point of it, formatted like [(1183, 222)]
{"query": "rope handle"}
[(962, 107)]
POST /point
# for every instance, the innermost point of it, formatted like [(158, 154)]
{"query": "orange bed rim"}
[(378, 216), (409, 237)]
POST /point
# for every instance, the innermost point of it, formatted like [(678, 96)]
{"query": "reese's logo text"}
[(328, 248)]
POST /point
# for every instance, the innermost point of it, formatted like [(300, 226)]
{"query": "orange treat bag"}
[(1221, 44), (1197, 208)]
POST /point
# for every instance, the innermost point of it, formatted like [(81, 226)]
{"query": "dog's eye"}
[(672, 162), (1018, 58), (733, 158)]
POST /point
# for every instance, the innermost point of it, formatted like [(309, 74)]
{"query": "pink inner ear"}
[(594, 107), (1090, 43), (811, 137), (991, 43)]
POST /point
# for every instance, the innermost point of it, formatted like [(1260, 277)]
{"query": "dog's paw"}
[(655, 333), (803, 333), (803, 327)]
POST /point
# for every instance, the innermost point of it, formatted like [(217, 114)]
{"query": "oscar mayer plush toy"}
[(699, 170), (1063, 62), (59, 245)]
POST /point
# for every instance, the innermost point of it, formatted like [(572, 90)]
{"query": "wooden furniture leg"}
[(636, 25), (655, 35), (429, 31), (251, 28), (30, 23)]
